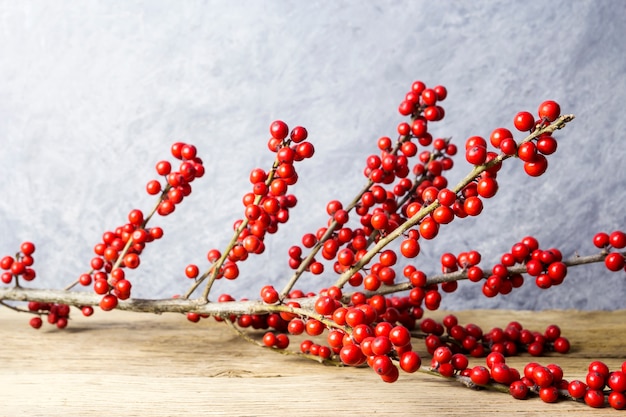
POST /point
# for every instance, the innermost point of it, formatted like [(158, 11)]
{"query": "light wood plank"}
[(121, 363)]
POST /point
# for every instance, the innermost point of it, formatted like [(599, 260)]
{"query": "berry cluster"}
[(388, 200), (177, 183), (57, 314), (546, 266), (548, 382), (472, 340), (122, 247), (599, 378), (19, 266), (265, 207), (614, 261)]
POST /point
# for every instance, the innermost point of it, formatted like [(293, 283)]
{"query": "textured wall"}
[(93, 93)]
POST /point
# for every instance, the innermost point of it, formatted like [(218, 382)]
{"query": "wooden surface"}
[(133, 364)]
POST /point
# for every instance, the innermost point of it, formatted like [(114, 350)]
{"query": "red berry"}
[(549, 110), (410, 361), (298, 134), (325, 305), (473, 206), (351, 355), (108, 302), (192, 271), (524, 121), (617, 400), (400, 336), (498, 135), (487, 187), (27, 248), (519, 390), (537, 167), (36, 322), (479, 375), (508, 146), (617, 239), (596, 380), (476, 155), (279, 130), (188, 152), (542, 376), (410, 248), (594, 398), (546, 145), (617, 381), (549, 394), (441, 92), (527, 152), (561, 345), (614, 261), (577, 389)]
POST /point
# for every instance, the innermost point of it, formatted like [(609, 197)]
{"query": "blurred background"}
[(93, 93)]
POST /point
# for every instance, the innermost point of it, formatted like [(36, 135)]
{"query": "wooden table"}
[(133, 364)]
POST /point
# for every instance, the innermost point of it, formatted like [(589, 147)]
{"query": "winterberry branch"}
[(364, 327), (462, 274)]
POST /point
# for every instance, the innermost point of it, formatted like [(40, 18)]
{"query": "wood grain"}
[(131, 364)]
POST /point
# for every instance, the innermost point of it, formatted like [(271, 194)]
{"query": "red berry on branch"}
[(519, 390), (176, 149), (537, 167), (617, 239), (614, 261), (546, 145), (617, 400), (441, 92), (298, 134), (524, 121), (549, 394), (108, 302), (594, 398), (279, 130), (497, 135), (188, 152), (549, 110), (480, 375), (508, 146), (27, 248)]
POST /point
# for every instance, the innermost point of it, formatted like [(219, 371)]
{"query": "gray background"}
[(93, 93)]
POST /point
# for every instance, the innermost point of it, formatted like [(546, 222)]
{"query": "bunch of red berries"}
[(600, 386), (57, 314), (19, 266), (266, 206), (389, 198), (614, 261), (177, 183), (122, 247), (472, 340)]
